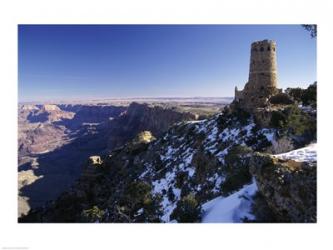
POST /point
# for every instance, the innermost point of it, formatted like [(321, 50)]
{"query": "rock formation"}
[(289, 187), (57, 146)]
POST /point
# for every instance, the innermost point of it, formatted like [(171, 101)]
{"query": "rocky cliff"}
[(195, 171), (288, 186), (53, 150), (140, 117)]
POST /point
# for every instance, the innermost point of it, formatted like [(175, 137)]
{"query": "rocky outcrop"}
[(91, 114), (58, 149), (151, 180), (281, 145), (49, 113), (140, 117), (288, 186), (144, 137), (95, 160)]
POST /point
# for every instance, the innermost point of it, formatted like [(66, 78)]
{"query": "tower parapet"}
[(262, 82)]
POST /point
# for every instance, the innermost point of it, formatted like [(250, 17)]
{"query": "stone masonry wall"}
[(262, 82)]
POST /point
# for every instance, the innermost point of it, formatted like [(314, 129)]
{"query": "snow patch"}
[(232, 208), (306, 154), (270, 134), (229, 134)]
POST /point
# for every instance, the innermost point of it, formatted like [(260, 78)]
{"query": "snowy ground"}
[(232, 208), (308, 154), (237, 206)]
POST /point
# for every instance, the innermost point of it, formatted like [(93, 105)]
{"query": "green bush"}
[(310, 95), (295, 93), (294, 121), (306, 96), (241, 115), (300, 123), (181, 178), (93, 214), (281, 98), (278, 119), (235, 181), (187, 210), (137, 195), (236, 170)]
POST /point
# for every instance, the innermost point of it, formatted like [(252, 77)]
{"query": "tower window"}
[(269, 48), (273, 49), (262, 49)]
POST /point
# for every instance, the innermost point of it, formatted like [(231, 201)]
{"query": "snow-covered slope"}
[(237, 206), (202, 152), (198, 171), (233, 208), (307, 154)]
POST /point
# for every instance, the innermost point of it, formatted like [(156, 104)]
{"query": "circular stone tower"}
[(263, 64), (262, 83)]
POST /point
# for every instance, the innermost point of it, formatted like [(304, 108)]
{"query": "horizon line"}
[(126, 98)]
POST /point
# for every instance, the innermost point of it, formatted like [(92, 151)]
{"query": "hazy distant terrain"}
[(55, 140)]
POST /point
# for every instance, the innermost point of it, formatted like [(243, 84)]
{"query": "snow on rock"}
[(182, 155), (249, 128), (177, 153), (164, 184), (232, 208), (307, 154), (229, 134), (269, 133)]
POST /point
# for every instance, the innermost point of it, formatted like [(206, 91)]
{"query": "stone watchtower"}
[(262, 83)]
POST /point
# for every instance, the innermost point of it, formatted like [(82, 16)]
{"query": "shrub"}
[(281, 98), (278, 119), (93, 214), (294, 121), (300, 123), (241, 115), (181, 178), (235, 181), (188, 210), (295, 93), (306, 96), (204, 165), (236, 170), (310, 95), (138, 195)]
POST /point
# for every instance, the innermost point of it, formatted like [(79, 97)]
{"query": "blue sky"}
[(67, 62)]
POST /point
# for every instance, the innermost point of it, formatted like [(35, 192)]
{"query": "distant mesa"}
[(48, 112), (50, 107), (29, 107)]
